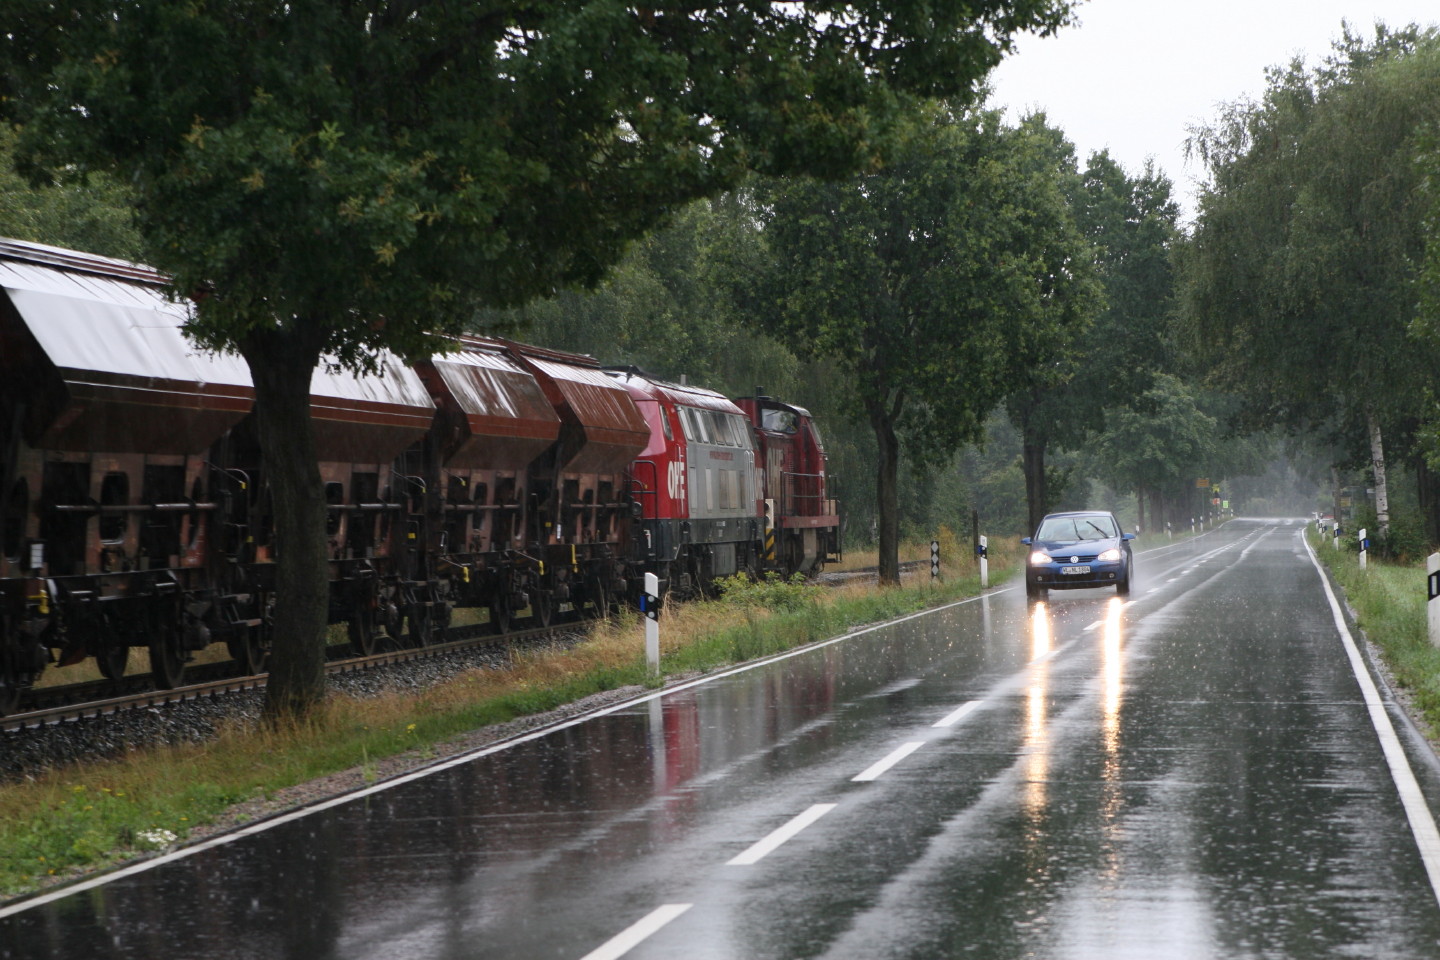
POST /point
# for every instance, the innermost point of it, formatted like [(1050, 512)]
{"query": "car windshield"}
[(1077, 528)]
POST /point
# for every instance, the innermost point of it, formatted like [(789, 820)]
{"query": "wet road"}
[(1195, 773)]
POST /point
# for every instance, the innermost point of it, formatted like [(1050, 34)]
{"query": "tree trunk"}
[(1033, 466), (1377, 464), (1335, 493), (887, 493), (281, 364), (1428, 483)]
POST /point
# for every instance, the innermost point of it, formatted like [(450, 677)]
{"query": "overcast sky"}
[(1135, 74)]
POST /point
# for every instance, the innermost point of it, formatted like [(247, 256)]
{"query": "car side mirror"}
[(1128, 536), (1025, 540)]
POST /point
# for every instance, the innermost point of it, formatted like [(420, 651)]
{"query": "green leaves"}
[(1304, 257), (935, 280), (348, 162)]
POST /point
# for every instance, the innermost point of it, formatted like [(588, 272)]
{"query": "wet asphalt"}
[(1192, 773)]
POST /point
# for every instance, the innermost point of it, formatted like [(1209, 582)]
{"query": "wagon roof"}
[(111, 319), (641, 384), (108, 338)]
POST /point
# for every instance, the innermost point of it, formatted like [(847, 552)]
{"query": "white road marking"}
[(955, 716), (461, 759), (759, 850), (1417, 811), (627, 939), (875, 769)]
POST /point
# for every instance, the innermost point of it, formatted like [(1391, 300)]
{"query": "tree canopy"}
[(930, 283), (1302, 268), (1131, 225), (338, 177)]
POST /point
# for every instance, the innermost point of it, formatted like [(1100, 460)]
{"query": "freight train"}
[(523, 481)]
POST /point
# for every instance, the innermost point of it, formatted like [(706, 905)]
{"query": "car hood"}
[(1087, 547)]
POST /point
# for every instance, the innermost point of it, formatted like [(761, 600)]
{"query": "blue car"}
[(1072, 551)]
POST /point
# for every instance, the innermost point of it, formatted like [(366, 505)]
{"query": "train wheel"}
[(363, 629), (420, 624), (542, 606), (167, 659), (440, 616), (10, 688), (248, 651), (599, 600), (112, 661), (499, 617)]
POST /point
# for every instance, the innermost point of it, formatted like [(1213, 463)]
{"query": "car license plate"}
[(1070, 571)]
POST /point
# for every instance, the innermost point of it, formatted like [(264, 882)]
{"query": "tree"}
[(1131, 224), (1300, 276), (1157, 444), (337, 177), (663, 307), (929, 282), (94, 217)]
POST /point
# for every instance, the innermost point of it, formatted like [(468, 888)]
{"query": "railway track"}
[(842, 577), (102, 698), (79, 701)]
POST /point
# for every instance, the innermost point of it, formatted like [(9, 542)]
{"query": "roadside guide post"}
[(984, 552), (1335, 541), (1432, 607), (650, 604), (1364, 548), (934, 559)]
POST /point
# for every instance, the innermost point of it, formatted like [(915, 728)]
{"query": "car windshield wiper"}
[(1091, 525)]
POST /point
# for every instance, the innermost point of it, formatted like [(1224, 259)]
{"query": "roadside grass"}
[(69, 822), (1388, 601)]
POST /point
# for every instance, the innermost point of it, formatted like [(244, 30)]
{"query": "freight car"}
[(134, 510)]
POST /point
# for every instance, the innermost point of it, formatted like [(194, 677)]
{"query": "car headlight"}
[(1039, 557), (1110, 556)]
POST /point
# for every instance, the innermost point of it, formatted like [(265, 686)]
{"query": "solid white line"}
[(875, 769), (765, 846), (1417, 811), (627, 939), (957, 715)]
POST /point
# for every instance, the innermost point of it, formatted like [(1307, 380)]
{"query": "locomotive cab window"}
[(778, 421)]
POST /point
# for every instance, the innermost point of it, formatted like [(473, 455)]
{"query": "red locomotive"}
[(134, 510)]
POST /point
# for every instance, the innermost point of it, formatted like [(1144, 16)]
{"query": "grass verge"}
[(1388, 601), (70, 822)]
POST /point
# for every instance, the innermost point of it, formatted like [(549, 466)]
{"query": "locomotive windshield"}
[(778, 421)]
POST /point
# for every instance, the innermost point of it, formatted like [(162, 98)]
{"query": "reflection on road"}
[(1036, 747), (1112, 672)]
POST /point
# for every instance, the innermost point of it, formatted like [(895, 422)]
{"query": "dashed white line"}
[(955, 716), (895, 756), (627, 939), (759, 850)]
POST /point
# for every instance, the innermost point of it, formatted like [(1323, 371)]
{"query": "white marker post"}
[(1364, 552), (1432, 608), (984, 562), (1335, 540), (650, 606)]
